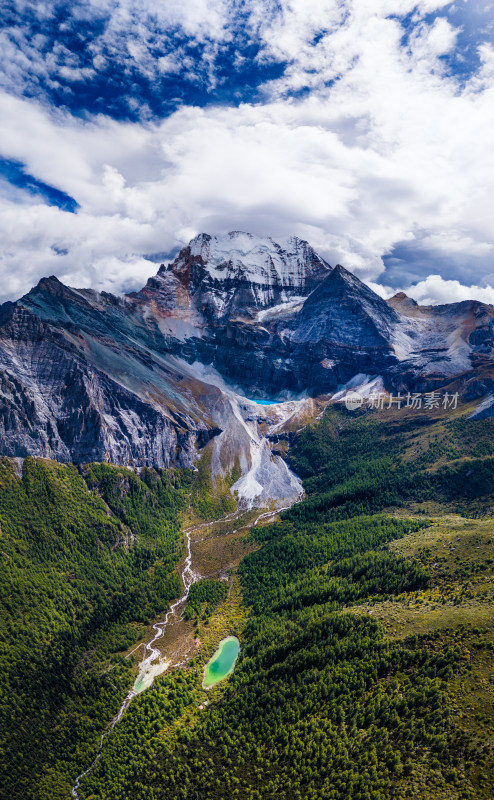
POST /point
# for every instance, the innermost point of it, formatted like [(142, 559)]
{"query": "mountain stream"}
[(153, 663)]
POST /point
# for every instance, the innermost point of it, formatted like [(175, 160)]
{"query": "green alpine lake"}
[(222, 662)]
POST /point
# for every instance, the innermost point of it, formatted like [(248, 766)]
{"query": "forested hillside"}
[(82, 572), (365, 669)]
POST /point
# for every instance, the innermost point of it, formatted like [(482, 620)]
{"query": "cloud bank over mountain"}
[(364, 128)]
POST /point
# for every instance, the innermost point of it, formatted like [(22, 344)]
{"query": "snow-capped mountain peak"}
[(88, 376), (289, 262), (236, 275)]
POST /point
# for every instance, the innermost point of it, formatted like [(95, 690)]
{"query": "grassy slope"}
[(211, 497), (82, 571), (456, 609)]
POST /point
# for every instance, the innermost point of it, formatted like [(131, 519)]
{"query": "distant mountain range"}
[(150, 378)]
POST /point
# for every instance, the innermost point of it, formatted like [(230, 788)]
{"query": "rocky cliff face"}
[(277, 321), (152, 377), (235, 276), (73, 391)]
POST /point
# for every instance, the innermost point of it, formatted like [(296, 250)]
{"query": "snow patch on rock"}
[(484, 409), (281, 310), (286, 262), (364, 385)]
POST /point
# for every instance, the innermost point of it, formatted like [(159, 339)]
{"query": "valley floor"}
[(455, 610)]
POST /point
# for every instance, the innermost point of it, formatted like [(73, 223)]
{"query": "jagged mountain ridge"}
[(235, 276), (343, 308), (90, 376), (310, 342)]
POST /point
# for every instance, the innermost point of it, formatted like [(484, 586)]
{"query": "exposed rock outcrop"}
[(220, 278), (90, 376)]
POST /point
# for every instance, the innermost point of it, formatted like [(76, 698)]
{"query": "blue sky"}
[(128, 126)]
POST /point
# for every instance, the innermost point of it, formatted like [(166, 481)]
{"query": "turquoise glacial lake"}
[(222, 662)]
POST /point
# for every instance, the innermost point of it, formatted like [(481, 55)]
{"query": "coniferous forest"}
[(343, 687), (76, 589)]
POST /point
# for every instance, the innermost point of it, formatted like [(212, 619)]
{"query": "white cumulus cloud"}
[(385, 148), (435, 290)]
